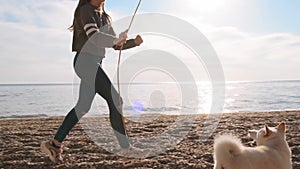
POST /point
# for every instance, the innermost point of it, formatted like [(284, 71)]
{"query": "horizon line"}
[(142, 82)]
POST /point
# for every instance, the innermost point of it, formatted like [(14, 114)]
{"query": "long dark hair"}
[(76, 13)]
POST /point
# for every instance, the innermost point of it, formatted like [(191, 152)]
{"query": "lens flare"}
[(137, 108)]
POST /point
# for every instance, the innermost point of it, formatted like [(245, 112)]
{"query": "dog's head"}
[(267, 133)]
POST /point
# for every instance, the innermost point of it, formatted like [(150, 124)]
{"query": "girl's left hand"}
[(138, 40)]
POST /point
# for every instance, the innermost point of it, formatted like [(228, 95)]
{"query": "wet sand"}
[(20, 140)]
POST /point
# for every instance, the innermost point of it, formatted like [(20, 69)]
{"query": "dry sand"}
[(20, 140)]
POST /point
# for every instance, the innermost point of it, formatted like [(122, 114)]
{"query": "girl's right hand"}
[(122, 38), (124, 34)]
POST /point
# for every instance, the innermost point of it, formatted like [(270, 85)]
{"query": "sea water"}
[(48, 100)]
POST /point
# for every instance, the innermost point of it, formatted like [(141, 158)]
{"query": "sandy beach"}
[(20, 140)]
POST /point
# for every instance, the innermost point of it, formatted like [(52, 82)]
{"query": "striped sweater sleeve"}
[(98, 38)]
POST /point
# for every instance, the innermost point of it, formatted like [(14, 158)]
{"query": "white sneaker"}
[(53, 153)]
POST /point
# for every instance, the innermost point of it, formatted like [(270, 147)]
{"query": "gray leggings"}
[(94, 80)]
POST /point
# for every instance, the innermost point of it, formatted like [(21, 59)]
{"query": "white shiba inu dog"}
[(272, 151)]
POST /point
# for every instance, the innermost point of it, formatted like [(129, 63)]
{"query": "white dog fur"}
[(271, 152)]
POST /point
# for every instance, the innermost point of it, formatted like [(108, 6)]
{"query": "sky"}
[(256, 40)]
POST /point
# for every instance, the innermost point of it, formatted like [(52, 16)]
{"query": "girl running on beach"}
[(92, 33)]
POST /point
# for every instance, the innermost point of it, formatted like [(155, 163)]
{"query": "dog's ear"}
[(281, 127), (253, 134), (267, 131)]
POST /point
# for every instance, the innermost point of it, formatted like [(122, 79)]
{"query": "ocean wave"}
[(24, 116), (159, 109), (151, 109), (294, 97)]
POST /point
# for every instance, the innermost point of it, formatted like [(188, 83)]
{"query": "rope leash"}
[(121, 48)]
